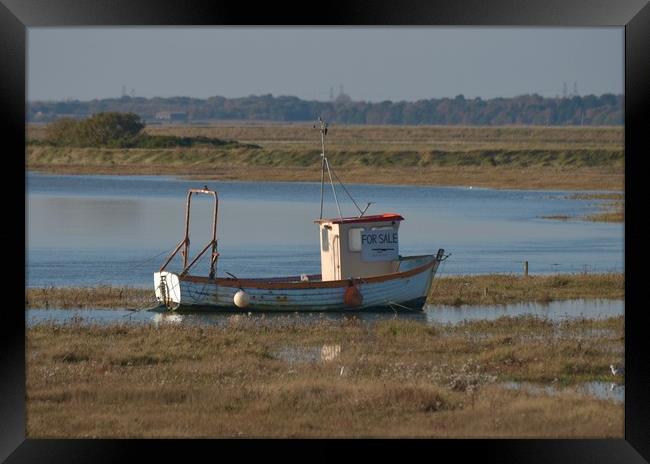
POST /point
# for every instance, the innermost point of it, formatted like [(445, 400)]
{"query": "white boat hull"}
[(406, 289)]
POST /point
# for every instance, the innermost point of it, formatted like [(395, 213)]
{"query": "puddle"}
[(601, 390), (554, 311), (307, 355), (163, 318)]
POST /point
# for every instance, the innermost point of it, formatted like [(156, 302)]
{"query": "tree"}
[(63, 131), (101, 129), (104, 127), (110, 128)]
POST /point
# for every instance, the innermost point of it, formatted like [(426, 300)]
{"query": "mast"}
[(323, 131), (324, 164)]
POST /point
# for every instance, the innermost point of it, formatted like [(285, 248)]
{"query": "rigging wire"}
[(104, 281), (322, 126), (346, 191)]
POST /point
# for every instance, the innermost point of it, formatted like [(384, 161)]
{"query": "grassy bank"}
[(391, 137), (504, 289), (458, 290), (612, 210), (508, 157), (388, 379), (104, 296)]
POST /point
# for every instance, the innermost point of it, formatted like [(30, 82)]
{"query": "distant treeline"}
[(606, 109)]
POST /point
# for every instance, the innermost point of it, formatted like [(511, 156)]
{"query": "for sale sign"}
[(379, 244)]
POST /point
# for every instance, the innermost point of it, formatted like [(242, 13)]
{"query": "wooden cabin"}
[(359, 246)]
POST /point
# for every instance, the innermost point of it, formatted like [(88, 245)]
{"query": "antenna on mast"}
[(322, 126)]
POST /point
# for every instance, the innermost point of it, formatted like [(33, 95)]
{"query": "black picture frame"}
[(634, 15)]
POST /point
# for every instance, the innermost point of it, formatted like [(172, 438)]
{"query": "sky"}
[(371, 63)]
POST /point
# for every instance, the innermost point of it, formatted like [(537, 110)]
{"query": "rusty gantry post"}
[(185, 242)]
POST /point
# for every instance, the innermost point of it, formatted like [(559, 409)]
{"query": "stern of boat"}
[(168, 289)]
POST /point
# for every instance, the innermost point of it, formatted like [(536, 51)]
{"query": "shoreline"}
[(520, 157), (494, 178), (486, 289)]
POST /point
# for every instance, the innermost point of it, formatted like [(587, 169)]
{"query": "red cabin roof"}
[(373, 218)]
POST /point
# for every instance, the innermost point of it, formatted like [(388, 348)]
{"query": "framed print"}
[(365, 221)]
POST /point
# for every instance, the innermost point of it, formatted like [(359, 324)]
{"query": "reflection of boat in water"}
[(360, 268), (166, 318)]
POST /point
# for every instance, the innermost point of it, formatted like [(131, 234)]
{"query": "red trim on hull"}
[(257, 283)]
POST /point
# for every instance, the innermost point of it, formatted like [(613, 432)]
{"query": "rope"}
[(390, 303), (346, 191), (104, 280), (326, 164), (139, 309)]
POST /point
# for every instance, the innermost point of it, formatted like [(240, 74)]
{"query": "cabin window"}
[(324, 239), (354, 239)]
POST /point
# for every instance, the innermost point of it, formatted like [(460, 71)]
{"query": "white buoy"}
[(241, 299)]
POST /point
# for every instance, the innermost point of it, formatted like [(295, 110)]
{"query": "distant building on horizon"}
[(171, 116), (342, 96)]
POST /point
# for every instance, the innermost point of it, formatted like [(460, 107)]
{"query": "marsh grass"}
[(507, 288), (400, 378), (597, 196), (612, 210), (104, 296), (508, 157), (617, 215), (391, 135)]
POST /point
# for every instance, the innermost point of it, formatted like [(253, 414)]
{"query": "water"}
[(89, 230), (601, 390), (555, 311)]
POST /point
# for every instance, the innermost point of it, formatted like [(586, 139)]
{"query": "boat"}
[(361, 268)]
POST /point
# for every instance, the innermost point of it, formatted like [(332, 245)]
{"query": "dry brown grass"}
[(400, 378), (505, 157), (394, 137), (503, 289), (104, 296), (399, 138), (617, 215), (611, 211)]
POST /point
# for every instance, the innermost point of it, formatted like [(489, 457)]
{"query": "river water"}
[(91, 230)]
